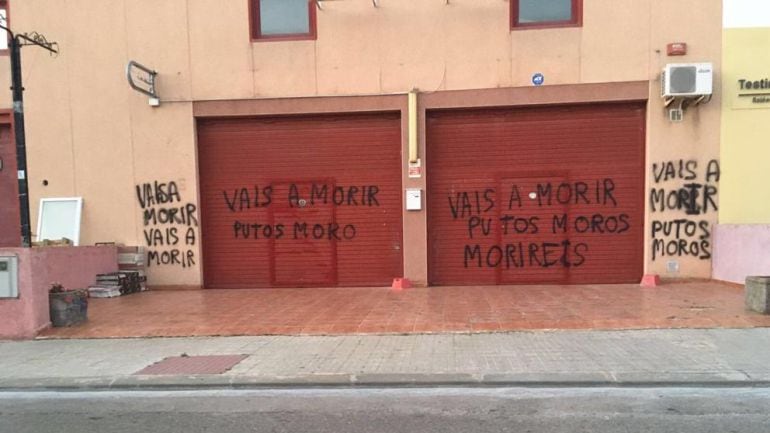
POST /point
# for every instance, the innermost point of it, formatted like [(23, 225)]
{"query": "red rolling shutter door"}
[(301, 201), (536, 195)]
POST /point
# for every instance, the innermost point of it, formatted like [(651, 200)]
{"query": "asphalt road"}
[(446, 410)]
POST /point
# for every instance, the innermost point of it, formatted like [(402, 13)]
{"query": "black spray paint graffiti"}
[(169, 225), (688, 235), (298, 230), (519, 255), (479, 211), (246, 198), (692, 197), (467, 203)]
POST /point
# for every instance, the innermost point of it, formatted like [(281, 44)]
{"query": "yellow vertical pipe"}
[(413, 153)]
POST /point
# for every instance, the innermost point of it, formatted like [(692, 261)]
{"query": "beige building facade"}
[(89, 135), (742, 237)]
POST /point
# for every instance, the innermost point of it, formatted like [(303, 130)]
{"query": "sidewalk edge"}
[(583, 380)]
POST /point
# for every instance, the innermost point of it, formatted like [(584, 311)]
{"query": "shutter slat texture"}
[(584, 164), (353, 239)]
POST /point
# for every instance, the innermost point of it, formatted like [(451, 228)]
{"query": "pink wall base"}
[(741, 250), (73, 267)]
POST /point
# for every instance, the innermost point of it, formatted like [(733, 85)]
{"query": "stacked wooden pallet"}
[(134, 259), (130, 277)]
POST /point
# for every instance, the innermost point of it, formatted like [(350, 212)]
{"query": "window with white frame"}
[(4, 23)]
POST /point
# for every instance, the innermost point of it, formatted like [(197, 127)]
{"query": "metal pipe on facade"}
[(412, 112)]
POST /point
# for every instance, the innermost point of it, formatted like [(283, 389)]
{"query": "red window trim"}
[(6, 118), (254, 25), (575, 21), (7, 4)]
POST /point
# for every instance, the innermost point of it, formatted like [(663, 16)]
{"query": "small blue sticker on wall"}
[(538, 79)]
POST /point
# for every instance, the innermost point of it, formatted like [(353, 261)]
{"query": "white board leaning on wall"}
[(59, 218)]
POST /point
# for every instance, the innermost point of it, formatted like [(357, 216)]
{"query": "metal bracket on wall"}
[(141, 78), (35, 38)]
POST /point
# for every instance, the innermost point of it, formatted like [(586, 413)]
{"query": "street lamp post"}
[(16, 41)]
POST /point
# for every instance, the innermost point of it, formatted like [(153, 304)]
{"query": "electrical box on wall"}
[(672, 267), (9, 280), (413, 199)]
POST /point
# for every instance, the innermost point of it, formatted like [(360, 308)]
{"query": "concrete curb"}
[(555, 380)]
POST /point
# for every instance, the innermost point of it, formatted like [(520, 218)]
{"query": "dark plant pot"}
[(68, 308)]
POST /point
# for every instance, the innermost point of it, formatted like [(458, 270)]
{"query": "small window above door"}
[(282, 20), (534, 14)]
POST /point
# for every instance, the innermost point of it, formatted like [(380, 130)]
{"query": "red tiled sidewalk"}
[(435, 309)]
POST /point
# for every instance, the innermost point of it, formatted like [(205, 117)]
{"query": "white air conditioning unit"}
[(686, 79)]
